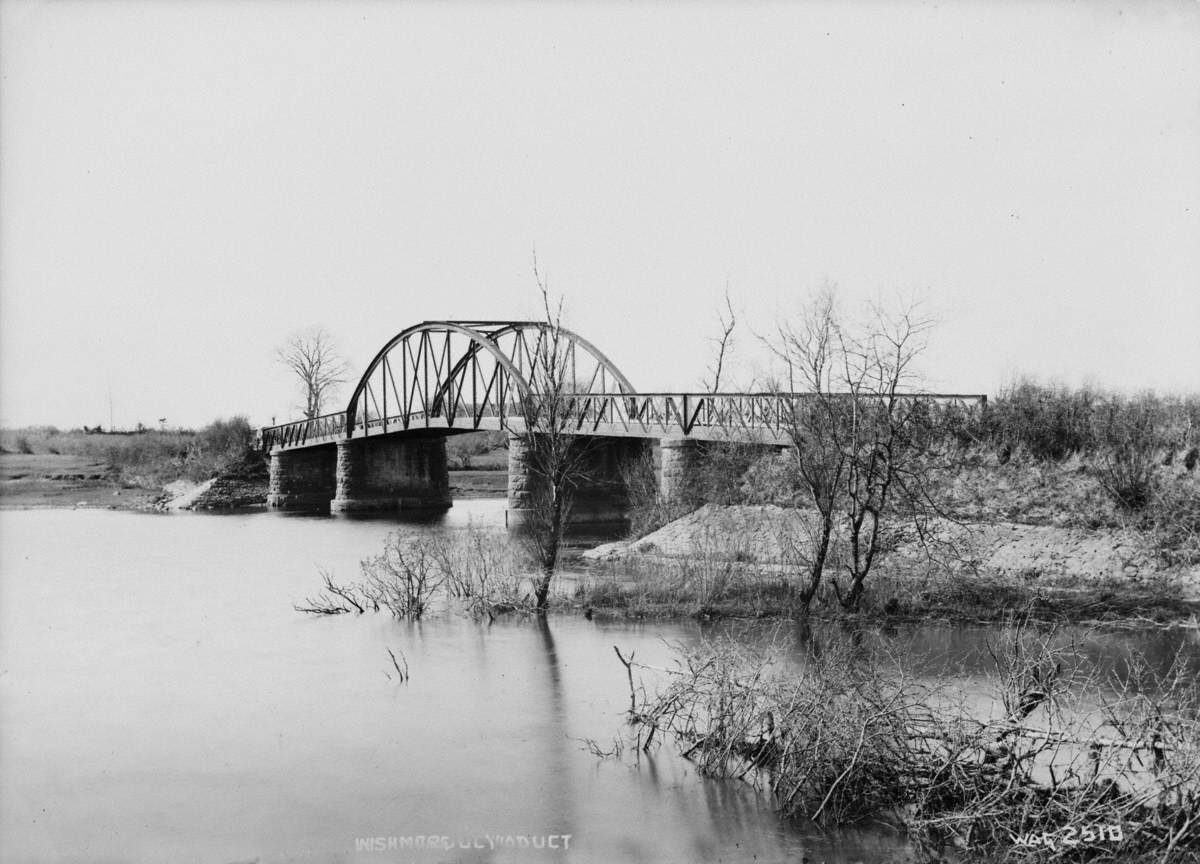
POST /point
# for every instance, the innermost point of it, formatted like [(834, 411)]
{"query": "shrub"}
[(404, 577), (462, 449), (771, 480), (228, 436), (847, 733), (722, 467), (647, 512), (1129, 440), (1174, 518), (1051, 422), (216, 446), (411, 572), (479, 571)]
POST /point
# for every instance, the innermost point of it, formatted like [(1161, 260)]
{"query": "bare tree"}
[(858, 436), (885, 439), (812, 424), (727, 321), (557, 460), (315, 361)]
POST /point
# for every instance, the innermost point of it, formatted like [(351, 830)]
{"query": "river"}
[(160, 700)]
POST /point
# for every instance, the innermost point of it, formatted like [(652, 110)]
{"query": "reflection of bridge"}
[(387, 450)]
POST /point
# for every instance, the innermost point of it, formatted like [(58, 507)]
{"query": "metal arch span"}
[(465, 375), (471, 374)]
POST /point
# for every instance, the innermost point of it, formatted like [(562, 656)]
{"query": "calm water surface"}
[(160, 700)]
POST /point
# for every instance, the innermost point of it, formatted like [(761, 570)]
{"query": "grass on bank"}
[(147, 459), (482, 573), (711, 588)]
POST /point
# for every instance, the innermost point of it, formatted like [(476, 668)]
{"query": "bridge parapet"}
[(325, 429), (743, 417), (440, 378)]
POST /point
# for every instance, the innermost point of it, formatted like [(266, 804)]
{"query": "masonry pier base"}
[(678, 463), (302, 479), (388, 474), (601, 495)]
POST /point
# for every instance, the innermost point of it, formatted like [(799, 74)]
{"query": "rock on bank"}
[(241, 485)]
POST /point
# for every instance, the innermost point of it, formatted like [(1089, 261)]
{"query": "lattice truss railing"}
[(746, 417)]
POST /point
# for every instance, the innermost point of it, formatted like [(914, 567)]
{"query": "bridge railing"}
[(301, 432), (462, 416), (739, 416)]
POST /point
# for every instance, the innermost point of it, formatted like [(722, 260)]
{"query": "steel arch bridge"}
[(463, 376)]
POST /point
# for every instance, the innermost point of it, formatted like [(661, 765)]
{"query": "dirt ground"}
[(1046, 553), (65, 481)]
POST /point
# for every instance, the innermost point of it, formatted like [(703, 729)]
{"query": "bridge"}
[(387, 450)]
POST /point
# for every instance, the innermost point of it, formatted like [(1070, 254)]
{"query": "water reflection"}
[(968, 651), (160, 700)]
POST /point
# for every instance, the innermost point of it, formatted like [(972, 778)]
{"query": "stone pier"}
[(679, 460), (302, 479), (391, 473), (600, 496)]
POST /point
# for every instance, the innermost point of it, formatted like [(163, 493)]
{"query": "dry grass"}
[(714, 586), (933, 593), (413, 573), (714, 581), (146, 459), (848, 734)]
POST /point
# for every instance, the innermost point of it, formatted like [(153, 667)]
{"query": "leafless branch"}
[(727, 321), (314, 360)]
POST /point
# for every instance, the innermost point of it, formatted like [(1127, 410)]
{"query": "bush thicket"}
[(1141, 451), (148, 458)]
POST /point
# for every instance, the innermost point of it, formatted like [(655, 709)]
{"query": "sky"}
[(185, 184)]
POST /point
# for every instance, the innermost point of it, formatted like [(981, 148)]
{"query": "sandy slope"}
[(1043, 552)]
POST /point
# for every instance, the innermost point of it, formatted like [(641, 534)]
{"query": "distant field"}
[(16, 466), (48, 440), (64, 480), (47, 467), (477, 451), (479, 484), (146, 459)]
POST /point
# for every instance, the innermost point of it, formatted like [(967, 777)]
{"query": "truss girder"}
[(466, 375), (460, 373)]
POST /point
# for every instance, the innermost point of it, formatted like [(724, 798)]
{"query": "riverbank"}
[(746, 561), (44, 466), (1034, 537), (68, 481)]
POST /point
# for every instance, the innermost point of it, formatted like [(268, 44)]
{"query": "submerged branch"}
[(848, 735)]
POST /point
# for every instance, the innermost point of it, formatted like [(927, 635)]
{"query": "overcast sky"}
[(182, 184)]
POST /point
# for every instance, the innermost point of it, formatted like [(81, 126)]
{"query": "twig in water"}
[(338, 591), (403, 673), (628, 664)]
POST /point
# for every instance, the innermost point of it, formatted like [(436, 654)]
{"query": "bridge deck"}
[(743, 417)]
